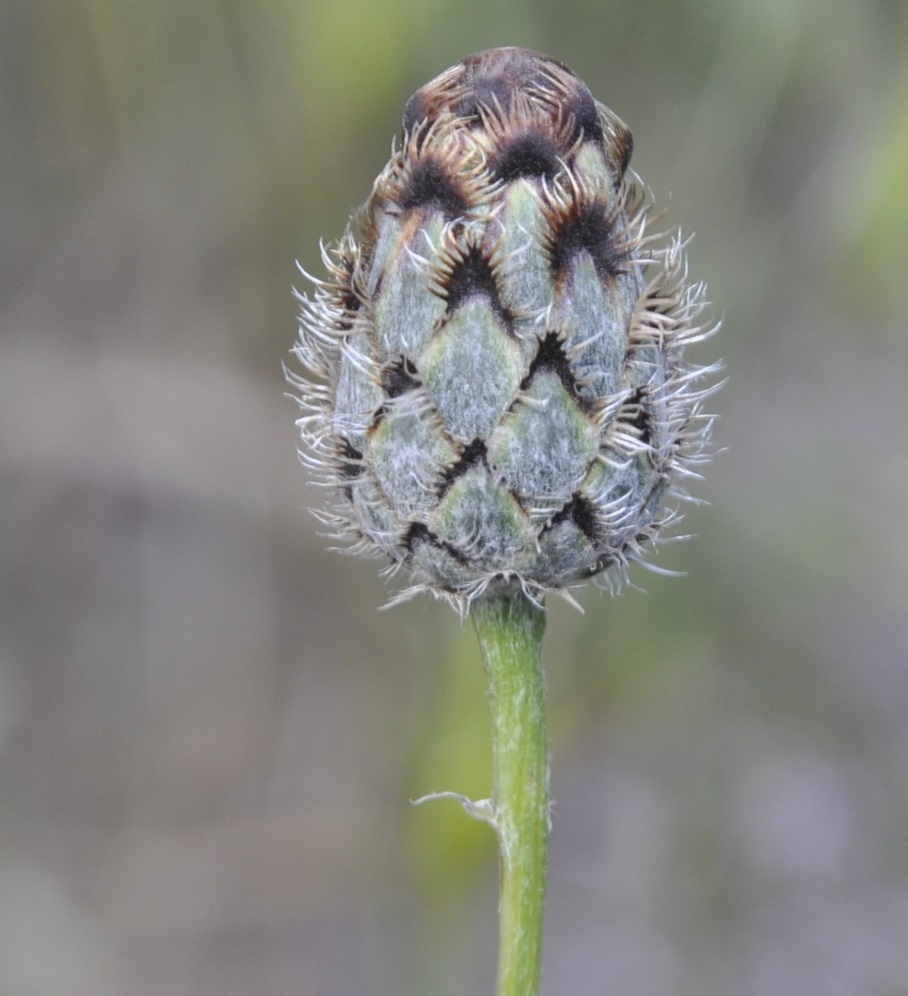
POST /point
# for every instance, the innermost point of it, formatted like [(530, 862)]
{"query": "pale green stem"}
[(510, 631)]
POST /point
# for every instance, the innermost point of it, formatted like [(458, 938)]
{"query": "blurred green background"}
[(209, 734)]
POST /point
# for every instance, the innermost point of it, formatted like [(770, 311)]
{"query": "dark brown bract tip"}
[(493, 78)]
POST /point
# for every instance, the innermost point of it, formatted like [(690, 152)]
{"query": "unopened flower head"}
[(494, 389)]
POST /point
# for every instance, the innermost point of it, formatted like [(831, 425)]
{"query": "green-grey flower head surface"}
[(494, 388)]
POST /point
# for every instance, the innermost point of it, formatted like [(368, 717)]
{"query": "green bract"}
[(498, 397)]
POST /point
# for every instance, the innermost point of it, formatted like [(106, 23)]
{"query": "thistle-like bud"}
[(495, 391)]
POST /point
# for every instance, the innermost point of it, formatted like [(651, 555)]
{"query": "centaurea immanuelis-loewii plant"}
[(495, 393)]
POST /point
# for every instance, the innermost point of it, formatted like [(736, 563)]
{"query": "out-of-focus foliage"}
[(209, 735)]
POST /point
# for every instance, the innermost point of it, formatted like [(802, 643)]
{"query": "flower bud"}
[(495, 391)]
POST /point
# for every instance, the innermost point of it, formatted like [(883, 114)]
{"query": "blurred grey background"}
[(209, 734)]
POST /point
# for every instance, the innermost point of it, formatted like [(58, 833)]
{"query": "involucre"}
[(495, 391)]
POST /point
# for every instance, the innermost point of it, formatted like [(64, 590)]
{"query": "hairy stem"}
[(510, 631)]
